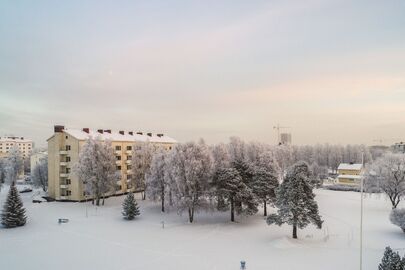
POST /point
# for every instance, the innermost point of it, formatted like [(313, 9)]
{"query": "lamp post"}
[(361, 213)]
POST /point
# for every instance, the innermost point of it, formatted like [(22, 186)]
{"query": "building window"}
[(68, 182), (129, 157), (118, 157), (67, 170), (118, 147), (129, 167), (67, 147), (68, 192), (67, 159), (118, 168), (129, 148), (128, 176), (66, 137)]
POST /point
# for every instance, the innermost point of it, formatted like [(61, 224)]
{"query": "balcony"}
[(118, 152), (63, 152), (118, 162), (129, 171), (63, 186), (128, 152), (64, 175), (128, 161), (63, 163)]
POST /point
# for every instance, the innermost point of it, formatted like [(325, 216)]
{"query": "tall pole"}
[(361, 213)]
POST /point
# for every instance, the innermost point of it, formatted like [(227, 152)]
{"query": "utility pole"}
[(361, 213)]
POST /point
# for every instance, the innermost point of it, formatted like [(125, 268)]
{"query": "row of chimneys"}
[(101, 131)]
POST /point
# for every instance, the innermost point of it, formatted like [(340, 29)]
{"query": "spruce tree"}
[(13, 214), (264, 185), (391, 261), (295, 200), (232, 193), (130, 207)]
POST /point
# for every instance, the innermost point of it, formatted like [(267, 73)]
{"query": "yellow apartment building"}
[(63, 152), (350, 173)]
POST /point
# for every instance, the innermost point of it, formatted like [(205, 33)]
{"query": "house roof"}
[(349, 166), (116, 136)]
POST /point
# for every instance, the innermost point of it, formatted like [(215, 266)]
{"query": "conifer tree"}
[(13, 214), (391, 261), (263, 186), (130, 207), (295, 200)]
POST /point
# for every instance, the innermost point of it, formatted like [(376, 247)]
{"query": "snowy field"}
[(103, 240)]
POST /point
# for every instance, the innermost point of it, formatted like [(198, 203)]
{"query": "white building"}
[(36, 158), (350, 174), (24, 145)]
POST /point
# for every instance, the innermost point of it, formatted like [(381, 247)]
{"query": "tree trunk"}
[(163, 204), (98, 201), (144, 195), (295, 231), (170, 199), (103, 200), (232, 210), (190, 214), (265, 208)]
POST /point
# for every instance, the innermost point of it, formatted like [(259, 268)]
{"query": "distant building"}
[(350, 173), (24, 145), (63, 152), (398, 147), (285, 138), (36, 158)]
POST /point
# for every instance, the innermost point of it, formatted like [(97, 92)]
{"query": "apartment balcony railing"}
[(128, 161), (128, 152), (63, 152), (64, 175), (63, 163)]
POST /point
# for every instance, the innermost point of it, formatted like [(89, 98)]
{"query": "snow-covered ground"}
[(103, 240)]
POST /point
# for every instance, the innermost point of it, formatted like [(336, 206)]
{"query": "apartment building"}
[(63, 152), (24, 145), (350, 174)]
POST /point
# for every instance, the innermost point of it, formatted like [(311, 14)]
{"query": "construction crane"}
[(278, 127)]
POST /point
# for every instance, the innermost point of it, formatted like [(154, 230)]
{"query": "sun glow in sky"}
[(333, 71)]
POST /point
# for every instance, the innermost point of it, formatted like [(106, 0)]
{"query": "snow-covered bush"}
[(40, 174), (397, 217)]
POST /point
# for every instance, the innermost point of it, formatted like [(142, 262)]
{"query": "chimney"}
[(121, 132), (131, 133), (149, 134), (160, 135), (87, 130), (59, 128), (108, 131), (139, 133), (100, 131)]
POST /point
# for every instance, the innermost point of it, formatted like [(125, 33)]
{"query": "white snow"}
[(104, 241), (350, 166), (116, 136)]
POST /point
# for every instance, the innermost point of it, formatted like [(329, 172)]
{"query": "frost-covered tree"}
[(96, 169), (387, 174), (14, 164), (39, 174), (391, 261), (142, 154), (264, 184), (317, 174), (397, 217), (130, 207), (233, 193), (296, 201), (191, 166), (2, 171), (13, 214), (156, 180)]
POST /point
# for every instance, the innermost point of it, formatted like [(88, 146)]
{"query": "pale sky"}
[(333, 71)]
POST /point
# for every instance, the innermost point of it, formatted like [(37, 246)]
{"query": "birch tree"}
[(142, 154)]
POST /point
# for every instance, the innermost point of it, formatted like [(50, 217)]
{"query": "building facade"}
[(24, 145), (350, 174), (285, 138), (63, 152)]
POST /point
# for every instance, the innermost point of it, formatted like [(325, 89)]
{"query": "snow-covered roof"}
[(350, 166), (348, 176), (116, 136), (14, 139)]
